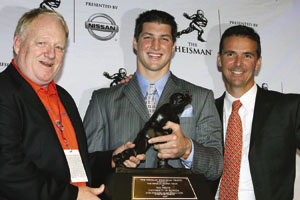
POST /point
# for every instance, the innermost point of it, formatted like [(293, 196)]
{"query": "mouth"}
[(154, 55), (236, 72), (46, 64)]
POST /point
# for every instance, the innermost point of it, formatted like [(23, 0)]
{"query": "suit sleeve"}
[(297, 131), (94, 125), (20, 178), (208, 158)]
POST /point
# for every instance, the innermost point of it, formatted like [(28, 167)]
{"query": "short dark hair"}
[(155, 16), (243, 31)]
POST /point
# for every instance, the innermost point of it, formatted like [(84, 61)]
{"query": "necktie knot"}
[(236, 105), (152, 89)]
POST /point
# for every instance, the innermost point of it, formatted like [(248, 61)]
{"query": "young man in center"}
[(115, 115)]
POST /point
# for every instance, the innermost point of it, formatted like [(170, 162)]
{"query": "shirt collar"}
[(37, 88), (159, 84), (247, 100)]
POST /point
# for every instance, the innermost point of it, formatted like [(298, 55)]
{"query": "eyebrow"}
[(232, 51), (163, 35)]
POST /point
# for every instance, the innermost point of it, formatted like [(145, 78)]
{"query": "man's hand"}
[(88, 193), (174, 145), (133, 162), (126, 79)]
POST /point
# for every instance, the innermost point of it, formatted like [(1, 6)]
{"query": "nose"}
[(239, 60), (50, 52), (155, 44)]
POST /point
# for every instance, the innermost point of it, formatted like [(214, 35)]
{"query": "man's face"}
[(238, 62), (154, 48), (39, 55)]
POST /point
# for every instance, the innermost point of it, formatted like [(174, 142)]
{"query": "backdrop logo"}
[(265, 86), (254, 25), (198, 21), (3, 64), (101, 26), (50, 4)]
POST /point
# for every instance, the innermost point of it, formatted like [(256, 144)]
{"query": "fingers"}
[(97, 191), (161, 139), (87, 193), (133, 162), (172, 145), (141, 157), (129, 145), (126, 79), (171, 125), (123, 147)]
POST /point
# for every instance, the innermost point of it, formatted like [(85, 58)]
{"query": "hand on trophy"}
[(174, 145), (133, 161), (154, 128)]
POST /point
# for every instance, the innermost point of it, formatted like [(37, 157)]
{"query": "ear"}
[(134, 44), (219, 61), (258, 64), (17, 44), (173, 48)]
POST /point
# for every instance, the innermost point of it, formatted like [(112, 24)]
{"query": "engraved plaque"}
[(147, 187)]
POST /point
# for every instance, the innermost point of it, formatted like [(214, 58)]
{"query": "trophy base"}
[(148, 183)]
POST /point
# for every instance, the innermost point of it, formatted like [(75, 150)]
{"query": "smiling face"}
[(154, 48), (40, 52), (238, 62)]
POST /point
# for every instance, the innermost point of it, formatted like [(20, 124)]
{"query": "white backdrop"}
[(88, 55)]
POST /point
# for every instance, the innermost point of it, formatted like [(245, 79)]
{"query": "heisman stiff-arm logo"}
[(50, 4), (198, 22)]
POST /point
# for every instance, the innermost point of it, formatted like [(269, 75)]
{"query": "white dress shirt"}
[(246, 191)]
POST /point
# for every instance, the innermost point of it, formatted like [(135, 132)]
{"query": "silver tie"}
[(150, 99)]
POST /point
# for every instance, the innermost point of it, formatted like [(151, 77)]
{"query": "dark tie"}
[(150, 99), (232, 155)]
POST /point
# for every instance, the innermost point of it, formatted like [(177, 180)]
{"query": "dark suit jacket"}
[(115, 115), (32, 162), (275, 136)]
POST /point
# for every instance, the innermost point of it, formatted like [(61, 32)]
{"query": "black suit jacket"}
[(275, 136), (32, 162)]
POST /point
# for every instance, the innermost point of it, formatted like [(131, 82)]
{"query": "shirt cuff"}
[(189, 161)]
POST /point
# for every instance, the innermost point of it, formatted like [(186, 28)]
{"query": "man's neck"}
[(152, 76), (237, 92)]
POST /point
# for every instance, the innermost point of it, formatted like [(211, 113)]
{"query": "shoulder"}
[(12, 83), (190, 86), (277, 98), (9, 78), (62, 91), (64, 95), (109, 92)]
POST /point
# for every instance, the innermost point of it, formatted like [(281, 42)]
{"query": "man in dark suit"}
[(115, 115), (43, 150), (270, 121)]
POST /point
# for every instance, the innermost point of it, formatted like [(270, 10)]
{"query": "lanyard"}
[(59, 124)]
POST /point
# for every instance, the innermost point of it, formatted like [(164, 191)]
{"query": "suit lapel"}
[(170, 88), (220, 104), (133, 92), (261, 110)]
